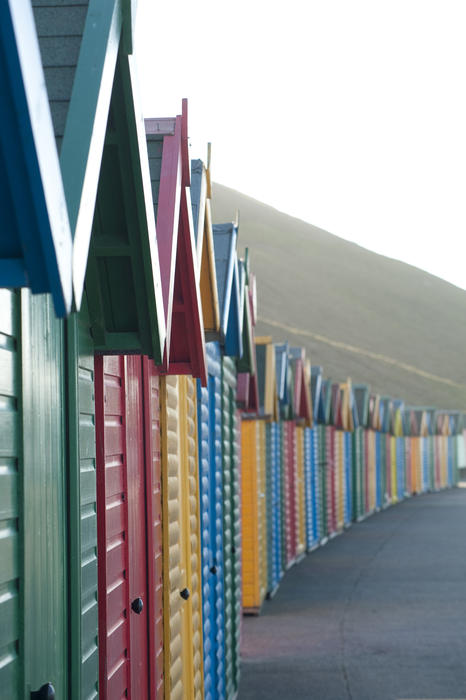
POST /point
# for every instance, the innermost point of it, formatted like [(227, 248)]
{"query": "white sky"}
[(349, 114)]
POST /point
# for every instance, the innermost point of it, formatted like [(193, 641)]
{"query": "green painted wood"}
[(43, 513), (83, 520), (10, 450), (123, 276), (86, 124)]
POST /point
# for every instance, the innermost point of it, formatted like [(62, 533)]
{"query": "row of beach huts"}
[(160, 465)]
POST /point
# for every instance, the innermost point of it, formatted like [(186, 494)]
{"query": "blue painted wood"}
[(309, 488), (35, 242), (451, 448), (226, 266), (273, 491), (211, 499)]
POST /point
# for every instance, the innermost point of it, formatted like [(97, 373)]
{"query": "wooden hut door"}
[(121, 518)]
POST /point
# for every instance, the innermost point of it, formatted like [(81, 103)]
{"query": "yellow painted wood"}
[(262, 506), (183, 662), (173, 567), (301, 498), (193, 681), (393, 468), (250, 521)]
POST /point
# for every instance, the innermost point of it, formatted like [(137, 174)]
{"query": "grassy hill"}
[(359, 314)]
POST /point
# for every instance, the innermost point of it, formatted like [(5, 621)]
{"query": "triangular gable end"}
[(228, 290), (36, 246), (122, 281), (202, 220)]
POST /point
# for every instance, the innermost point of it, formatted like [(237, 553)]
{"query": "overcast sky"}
[(349, 114)]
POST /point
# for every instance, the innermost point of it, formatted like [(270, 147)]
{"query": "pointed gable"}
[(123, 274), (300, 385), (201, 192), (167, 144), (361, 395), (267, 378), (36, 243), (225, 238), (316, 385)]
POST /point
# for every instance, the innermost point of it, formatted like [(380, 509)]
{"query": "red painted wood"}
[(136, 490), (128, 491), (168, 212), (112, 527), (154, 529), (291, 493), (187, 345), (408, 469)]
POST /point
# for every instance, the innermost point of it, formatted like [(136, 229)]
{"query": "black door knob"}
[(185, 593), (45, 692), (233, 550), (213, 569), (137, 605)]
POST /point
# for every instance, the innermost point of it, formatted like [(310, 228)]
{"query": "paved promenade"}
[(377, 614)]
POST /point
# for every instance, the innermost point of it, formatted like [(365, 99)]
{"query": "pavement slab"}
[(378, 613)]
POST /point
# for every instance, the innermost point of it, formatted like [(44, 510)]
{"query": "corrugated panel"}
[(348, 477), (316, 487), (193, 680), (339, 458), (173, 572), (358, 473), (277, 501), (10, 467), (331, 479), (301, 493), (323, 470), (211, 499), (262, 507), (308, 489), (378, 470), (250, 516), (83, 506), (112, 513), (208, 593), (44, 462), (408, 467), (388, 462), (154, 520), (291, 515), (400, 468), (32, 476), (273, 507), (371, 468), (431, 449), (232, 518), (393, 463)]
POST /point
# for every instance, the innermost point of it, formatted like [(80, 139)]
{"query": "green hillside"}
[(358, 314)]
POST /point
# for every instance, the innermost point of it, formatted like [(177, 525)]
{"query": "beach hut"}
[(326, 458), (337, 459), (302, 412), (35, 242), (348, 422), (361, 444), (313, 484), (268, 410), (225, 238)]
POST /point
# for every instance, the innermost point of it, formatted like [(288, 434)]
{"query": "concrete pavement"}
[(377, 614)]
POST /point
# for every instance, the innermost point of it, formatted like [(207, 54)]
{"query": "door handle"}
[(137, 606), (45, 692), (185, 593)]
